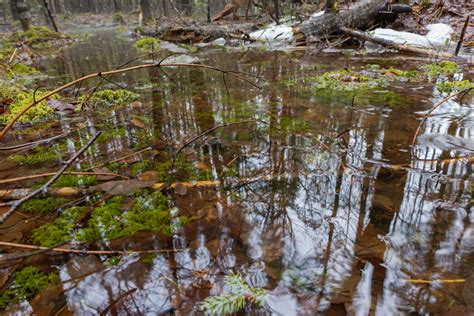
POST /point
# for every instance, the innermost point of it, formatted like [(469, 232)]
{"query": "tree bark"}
[(361, 15), (145, 7)]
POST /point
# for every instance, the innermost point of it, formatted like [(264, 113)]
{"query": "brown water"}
[(327, 226)]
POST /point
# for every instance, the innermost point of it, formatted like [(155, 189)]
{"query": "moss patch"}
[(74, 181), (26, 284), (147, 43), (36, 155), (37, 35), (454, 86), (111, 220), (371, 77), (110, 97), (44, 205), (443, 68), (60, 231), (20, 100)]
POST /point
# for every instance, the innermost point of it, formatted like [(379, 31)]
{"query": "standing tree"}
[(21, 11), (146, 10)]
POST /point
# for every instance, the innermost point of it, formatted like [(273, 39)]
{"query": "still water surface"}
[(329, 223)]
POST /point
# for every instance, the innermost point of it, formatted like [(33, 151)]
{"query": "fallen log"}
[(390, 44), (360, 15), (198, 33)]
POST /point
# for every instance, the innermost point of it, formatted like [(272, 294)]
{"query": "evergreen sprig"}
[(238, 295)]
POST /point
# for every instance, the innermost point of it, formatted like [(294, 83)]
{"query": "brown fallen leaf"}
[(138, 123)]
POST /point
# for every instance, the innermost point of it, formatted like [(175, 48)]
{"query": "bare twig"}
[(463, 33), (31, 144), (44, 188), (85, 252), (78, 173)]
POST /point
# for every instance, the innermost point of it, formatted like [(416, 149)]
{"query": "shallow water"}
[(327, 221)]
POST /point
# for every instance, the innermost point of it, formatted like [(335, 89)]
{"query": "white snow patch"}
[(438, 36), (274, 33)]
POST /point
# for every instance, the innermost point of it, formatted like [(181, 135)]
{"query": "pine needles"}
[(238, 295)]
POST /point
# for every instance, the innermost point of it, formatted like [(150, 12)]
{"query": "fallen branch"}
[(76, 173), (85, 252), (44, 187), (107, 73), (390, 44), (34, 143)]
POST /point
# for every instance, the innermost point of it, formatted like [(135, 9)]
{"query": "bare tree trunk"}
[(276, 3), (22, 11), (145, 7), (50, 15)]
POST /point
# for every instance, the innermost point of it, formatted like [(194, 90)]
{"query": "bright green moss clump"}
[(111, 220), (60, 231), (74, 181), (20, 100), (147, 43), (36, 155), (373, 76), (443, 68), (26, 284), (43, 205), (20, 70), (454, 86), (36, 35), (110, 97)]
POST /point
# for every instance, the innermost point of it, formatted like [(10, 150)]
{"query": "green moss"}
[(373, 76), (20, 100), (36, 35), (454, 86), (18, 70), (60, 231), (110, 97), (147, 43), (139, 167), (44, 205), (443, 68), (36, 155), (26, 284), (177, 170), (74, 181), (110, 220)]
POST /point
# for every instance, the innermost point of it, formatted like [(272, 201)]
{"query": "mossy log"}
[(361, 15)]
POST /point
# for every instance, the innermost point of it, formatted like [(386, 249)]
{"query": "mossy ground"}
[(37, 35), (107, 98), (26, 284), (147, 44), (19, 100), (43, 205)]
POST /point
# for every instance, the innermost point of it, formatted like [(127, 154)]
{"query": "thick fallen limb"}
[(361, 15), (107, 73), (16, 204), (390, 44)]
